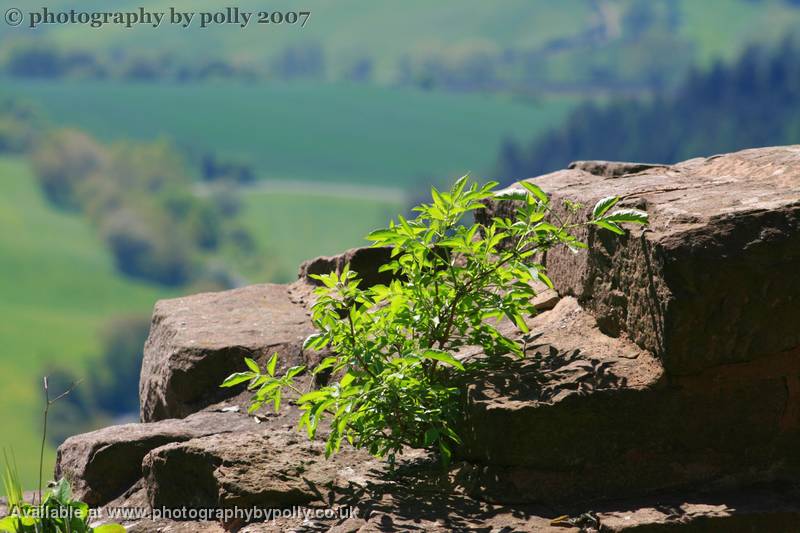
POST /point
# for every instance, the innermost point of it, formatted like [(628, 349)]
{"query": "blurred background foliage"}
[(149, 163)]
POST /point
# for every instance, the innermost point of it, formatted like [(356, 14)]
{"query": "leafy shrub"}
[(395, 347), (63, 160), (147, 250), (57, 513)]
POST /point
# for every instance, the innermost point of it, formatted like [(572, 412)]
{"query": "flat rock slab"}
[(759, 508), (419, 499), (103, 464), (268, 469), (587, 416), (197, 341), (713, 280)]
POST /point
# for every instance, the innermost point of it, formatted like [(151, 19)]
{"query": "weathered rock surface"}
[(713, 280), (365, 261), (197, 341), (587, 416), (268, 469), (102, 464)]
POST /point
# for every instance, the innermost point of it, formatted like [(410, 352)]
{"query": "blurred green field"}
[(301, 131), (57, 286), (291, 227)]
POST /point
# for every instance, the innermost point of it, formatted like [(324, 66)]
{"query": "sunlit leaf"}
[(252, 365), (536, 191), (604, 205), (443, 357), (634, 216), (237, 378), (272, 363)]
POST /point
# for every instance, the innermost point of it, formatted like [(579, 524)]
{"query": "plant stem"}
[(44, 437), (47, 403)]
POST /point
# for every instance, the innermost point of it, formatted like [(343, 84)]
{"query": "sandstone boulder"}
[(587, 416), (366, 261), (197, 341), (713, 280), (103, 464), (268, 469)]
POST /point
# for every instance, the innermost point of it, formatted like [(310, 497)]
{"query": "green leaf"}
[(430, 436), (537, 273), (346, 380), (235, 379), (272, 363), (633, 216), (437, 198), (447, 455), (62, 492), (252, 365), (510, 193), (382, 235), (9, 524), (444, 357), (311, 396), (518, 321), (325, 364), (609, 226), (315, 341), (604, 205), (452, 435), (536, 191), (459, 185), (295, 370)]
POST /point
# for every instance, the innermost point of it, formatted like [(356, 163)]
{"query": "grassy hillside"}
[(721, 29), (58, 286), (329, 133), (291, 226)]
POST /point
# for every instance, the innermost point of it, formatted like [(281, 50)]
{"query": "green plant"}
[(57, 511), (11, 484), (48, 402), (396, 347)]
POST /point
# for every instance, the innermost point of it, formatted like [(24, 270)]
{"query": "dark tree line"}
[(754, 101)]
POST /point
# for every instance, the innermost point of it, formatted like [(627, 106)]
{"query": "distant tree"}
[(20, 126), (62, 161), (35, 62), (115, 376), (360, 71), (147, 249), (754, 101), (304, 60), (638, 19)]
